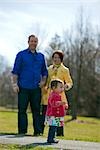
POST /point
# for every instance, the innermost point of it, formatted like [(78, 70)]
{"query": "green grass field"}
[(84, 128)]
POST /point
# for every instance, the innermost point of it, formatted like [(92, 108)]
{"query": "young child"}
[(55, 109)]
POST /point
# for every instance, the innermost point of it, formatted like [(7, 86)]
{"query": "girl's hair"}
[(54, 83), (60, 53)]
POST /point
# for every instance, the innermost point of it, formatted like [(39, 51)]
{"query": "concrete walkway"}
[(40, 141)]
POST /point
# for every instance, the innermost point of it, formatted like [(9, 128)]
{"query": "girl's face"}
[(56, 59), (60, 88)]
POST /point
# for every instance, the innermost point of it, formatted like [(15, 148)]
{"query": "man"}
[(29, 75)]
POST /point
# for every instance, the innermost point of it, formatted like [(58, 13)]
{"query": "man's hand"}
[(41, 84), (15, 87)]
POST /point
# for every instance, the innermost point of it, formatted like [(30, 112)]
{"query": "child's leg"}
[(60, 131), (51, 134)]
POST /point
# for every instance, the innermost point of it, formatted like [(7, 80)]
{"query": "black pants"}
[(51, 133), (43, 112), (60, 131), (24, 97)]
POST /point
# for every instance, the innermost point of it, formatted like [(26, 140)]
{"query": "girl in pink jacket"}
[(55, 109)]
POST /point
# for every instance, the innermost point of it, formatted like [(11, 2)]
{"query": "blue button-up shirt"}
[(30, 68)]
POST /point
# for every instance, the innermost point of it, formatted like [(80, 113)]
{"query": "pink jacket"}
[(53, 108)]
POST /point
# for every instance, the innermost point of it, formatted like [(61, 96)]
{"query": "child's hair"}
[(54, 83)]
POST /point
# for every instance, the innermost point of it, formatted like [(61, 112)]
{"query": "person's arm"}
[(68, 80), (15, 72), (14, 83), (51, 99), (43, 81), (44, 73), (56, 102)]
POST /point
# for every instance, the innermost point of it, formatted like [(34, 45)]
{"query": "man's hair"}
[(54, 83), (60, 53), (31, 36)]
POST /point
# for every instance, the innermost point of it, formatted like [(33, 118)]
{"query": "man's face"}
[(33, 43)]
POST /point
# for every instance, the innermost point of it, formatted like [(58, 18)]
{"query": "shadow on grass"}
[(37, 144), (69, 120), (14, 135), (45, 144), (5, 133)]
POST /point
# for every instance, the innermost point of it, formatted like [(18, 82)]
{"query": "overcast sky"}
[(20, 18)]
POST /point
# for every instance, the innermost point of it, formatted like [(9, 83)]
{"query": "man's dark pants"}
[(43, 113), (24, 97)]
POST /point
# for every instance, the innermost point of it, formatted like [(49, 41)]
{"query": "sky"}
[(21, 18)]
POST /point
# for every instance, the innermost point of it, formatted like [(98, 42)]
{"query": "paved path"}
[(40, 141)]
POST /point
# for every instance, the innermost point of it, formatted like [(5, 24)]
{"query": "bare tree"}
[(7, 96), (80, 47)]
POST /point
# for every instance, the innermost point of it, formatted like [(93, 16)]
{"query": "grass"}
[(84, 128), (18, 147)]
